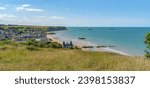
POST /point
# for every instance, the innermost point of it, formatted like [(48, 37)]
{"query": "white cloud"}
[(36, 10), (27, 7), (51, 17), (57, 17), (2, 8), (7, 17)]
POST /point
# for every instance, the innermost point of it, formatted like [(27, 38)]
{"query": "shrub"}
[(48, 44), (3, 48), (55, 45), (31, 42), (147, 42), (31, 47)]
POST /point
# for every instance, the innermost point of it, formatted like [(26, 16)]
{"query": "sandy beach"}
[(81, 43), (54, 38)]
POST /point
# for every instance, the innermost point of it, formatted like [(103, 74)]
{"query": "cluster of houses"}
[(17, 34), (22, 36), (3, 35)]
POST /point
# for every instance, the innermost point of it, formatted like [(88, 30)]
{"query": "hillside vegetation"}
[(18, 57)]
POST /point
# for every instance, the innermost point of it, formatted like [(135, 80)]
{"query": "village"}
[(22, 34), (32, 35)]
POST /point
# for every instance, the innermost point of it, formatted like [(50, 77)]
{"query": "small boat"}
[(51, 33), (112, 29), (81, 38), (90, 29)]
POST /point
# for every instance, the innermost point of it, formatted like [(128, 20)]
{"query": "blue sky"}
[(76, 12)]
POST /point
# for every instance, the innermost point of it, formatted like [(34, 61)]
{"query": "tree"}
[(147, 42)]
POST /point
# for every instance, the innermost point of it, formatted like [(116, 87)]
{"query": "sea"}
[(127, 40)]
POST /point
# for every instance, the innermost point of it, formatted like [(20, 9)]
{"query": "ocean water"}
[(129, 40)]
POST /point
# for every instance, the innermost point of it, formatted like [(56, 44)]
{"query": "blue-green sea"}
[(129, 40)]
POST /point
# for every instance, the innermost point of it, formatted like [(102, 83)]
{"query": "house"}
[(68, 45)]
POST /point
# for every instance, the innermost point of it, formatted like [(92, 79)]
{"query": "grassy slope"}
[(54, 59)]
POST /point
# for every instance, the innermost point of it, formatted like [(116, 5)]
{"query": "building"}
[(67, 45)]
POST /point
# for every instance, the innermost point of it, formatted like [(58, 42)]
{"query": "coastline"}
[(80, 45)]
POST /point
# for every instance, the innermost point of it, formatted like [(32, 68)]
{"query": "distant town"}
[(21, 33)]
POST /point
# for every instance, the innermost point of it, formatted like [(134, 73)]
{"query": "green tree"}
[(147, 42)]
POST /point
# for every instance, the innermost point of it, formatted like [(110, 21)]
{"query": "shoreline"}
[(80, 45)]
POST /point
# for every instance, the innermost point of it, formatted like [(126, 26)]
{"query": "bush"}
[(32, 42), (147, 42), (48, 44), (3, 48), (55, 45), (31, 47)]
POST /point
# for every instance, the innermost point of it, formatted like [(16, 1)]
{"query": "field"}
[(19, 58)]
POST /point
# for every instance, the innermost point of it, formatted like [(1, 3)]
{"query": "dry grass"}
[(21, 59)]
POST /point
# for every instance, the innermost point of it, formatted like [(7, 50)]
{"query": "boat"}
[(90, 29), (51, 33), (81, 38), (112, 29)]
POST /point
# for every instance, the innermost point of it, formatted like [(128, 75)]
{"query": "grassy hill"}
[(47, 59)]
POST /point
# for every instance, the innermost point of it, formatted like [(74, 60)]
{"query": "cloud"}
[(57, 17), (27, 7), (51, 17), (2, 8), (32, 20), (7, 17), (34, 10)]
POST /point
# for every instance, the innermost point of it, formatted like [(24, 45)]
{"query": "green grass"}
[(47, 59)]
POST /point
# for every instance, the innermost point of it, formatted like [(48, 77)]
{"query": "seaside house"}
[(67, 45)]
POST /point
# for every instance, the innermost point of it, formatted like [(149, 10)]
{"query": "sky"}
[(94, 13)]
